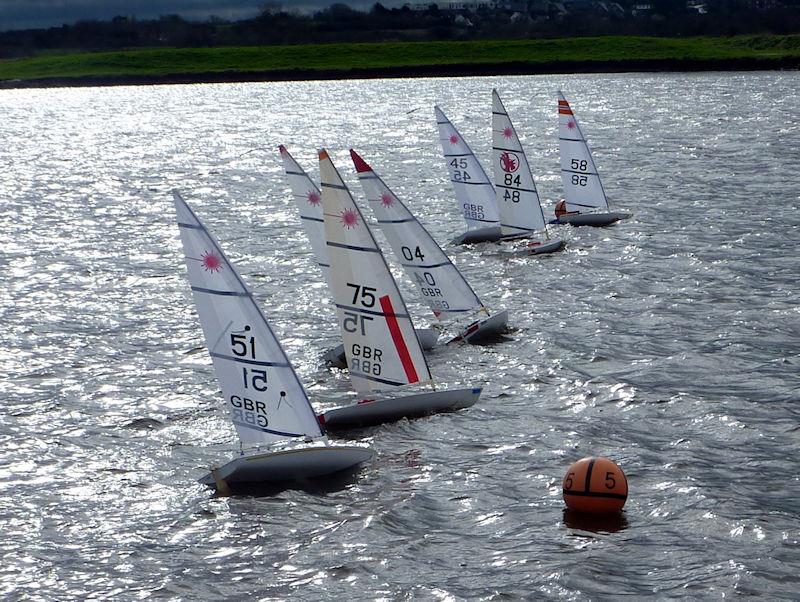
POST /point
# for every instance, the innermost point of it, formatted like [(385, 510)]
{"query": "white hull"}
[(367, 413), (592, 219), (476, 332), (478, 235), (335, 357), (289, 465)]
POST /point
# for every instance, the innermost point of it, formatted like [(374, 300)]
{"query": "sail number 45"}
[(460, 173)]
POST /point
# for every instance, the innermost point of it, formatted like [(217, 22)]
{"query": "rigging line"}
[(229, 161), (222, 333)]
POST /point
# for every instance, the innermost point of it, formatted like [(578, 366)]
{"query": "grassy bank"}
[(341, 59)]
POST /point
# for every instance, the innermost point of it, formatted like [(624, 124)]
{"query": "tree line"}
[(340, 23)]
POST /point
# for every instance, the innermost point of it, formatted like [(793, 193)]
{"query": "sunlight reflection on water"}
[(679, 325)]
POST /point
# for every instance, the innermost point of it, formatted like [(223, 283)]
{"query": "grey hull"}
[(552, 246), (593, 219), (490, 328), (289, 465), (478, 235), (368, 413)]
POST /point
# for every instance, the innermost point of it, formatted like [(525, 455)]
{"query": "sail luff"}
[(248, 370)]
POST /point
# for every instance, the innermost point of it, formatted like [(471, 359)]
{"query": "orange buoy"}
[(595, 485)]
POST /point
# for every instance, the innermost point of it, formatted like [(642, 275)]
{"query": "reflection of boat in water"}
[(440, 284), (281, 439), (585, 202), (381, 346)]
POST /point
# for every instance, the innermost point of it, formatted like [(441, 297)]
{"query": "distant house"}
[(455, 6), (764, 4), (697, 6)]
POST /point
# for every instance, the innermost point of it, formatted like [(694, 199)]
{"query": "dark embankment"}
[(417, 59)]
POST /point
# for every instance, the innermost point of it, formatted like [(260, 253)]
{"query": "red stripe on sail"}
[(563, 103), (564, 111), (397, 337)]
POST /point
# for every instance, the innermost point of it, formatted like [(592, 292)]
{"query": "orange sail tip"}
[(361, 165), (323, 154)]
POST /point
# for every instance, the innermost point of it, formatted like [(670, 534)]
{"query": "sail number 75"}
[(363, 295)]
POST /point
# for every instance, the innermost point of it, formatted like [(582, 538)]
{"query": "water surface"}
[(668, 342)]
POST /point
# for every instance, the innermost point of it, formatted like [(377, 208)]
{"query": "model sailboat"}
[(439, 282), (585, 202), (267, 403), (474, 192), (517, 198), (308, 199), (382, 349)]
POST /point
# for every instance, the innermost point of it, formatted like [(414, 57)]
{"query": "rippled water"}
[(668, 343)]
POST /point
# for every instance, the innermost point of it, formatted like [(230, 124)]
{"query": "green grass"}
[(343, 57)]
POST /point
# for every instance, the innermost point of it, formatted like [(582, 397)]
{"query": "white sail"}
[(266, 401), (439, 282), (517, 198), (380, 343), (308, 199), (473, 190), (582, 187)]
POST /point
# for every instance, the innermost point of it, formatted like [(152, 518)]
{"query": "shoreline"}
[(419, 71)]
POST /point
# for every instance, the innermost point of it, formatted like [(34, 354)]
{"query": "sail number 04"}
[(409, 255)]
